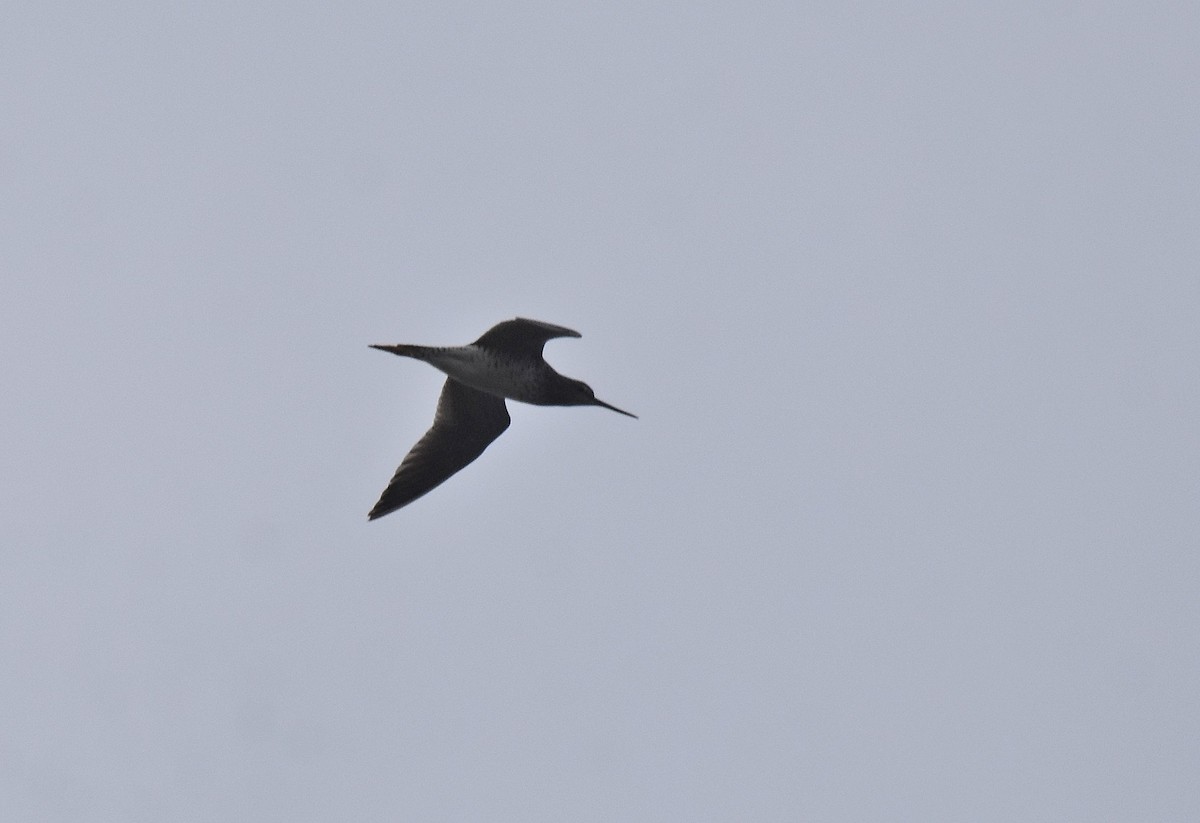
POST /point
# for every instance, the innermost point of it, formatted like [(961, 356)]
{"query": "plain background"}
[(905, 296)]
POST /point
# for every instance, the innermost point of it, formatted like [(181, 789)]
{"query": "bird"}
[(505, 363)]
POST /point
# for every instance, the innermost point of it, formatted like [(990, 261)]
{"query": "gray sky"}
[(905, 296)]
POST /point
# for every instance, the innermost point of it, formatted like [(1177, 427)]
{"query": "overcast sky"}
[(906, 297)]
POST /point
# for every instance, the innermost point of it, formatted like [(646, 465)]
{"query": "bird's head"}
[(578, 393)]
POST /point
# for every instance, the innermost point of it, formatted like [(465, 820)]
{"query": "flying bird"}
[(506, 362)]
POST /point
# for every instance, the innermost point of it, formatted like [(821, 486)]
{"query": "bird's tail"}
[(404, 350)]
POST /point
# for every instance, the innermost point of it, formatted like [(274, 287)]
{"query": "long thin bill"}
[(613, 408)]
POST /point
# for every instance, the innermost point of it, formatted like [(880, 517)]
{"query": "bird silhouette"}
[(506, 362)]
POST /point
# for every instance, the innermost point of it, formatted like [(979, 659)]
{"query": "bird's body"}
[(486, 370), (506, 362)]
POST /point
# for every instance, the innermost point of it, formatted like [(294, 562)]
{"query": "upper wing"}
[(467, 421), (523, 336)]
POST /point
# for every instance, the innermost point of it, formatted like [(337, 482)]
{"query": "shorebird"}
[(506, 362)]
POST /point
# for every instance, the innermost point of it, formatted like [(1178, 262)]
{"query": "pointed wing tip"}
[(380, 509), (560, 331), (386, 505), (376, 513)]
